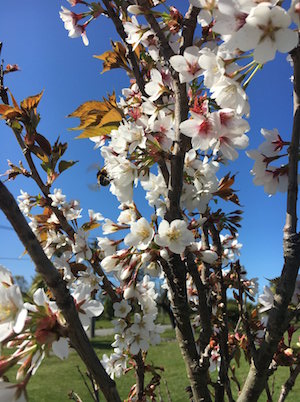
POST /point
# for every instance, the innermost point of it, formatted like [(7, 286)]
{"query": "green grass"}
[(56, 378)]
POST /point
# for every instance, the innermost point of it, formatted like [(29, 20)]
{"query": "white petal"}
[(191, 54), (248, 37), (265, 51), (21, 318), (61, 348), (178, 63), (286, 40)]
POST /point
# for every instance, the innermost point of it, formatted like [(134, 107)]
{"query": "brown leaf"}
[(5, 108), (115, 58), (225, 191), (98, 118), (32, 101), (43, 143)]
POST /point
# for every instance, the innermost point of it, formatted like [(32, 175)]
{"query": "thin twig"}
[(131, 54)]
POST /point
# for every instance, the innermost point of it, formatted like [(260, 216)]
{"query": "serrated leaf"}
[(98, 118), (31, 102), (64, 165)]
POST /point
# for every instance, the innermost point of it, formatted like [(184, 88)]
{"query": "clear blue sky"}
[(35, 39)]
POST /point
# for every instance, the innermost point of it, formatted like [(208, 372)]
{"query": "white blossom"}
[(174, 235)]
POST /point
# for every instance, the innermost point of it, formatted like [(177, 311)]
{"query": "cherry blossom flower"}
[(206, 10), (213, 66), (121, 309), (187, 65), (136, 33), (115, 364), (215, 360), (137, 342), (70, 20), (202, 129), (174, 235), (231, 136), (141, 234), (155, 87), (12, 311), (228, 93), (266, 300), (87, 307), (80, 246), (266, 31), (24, 202), (273, 179), (231, 16)]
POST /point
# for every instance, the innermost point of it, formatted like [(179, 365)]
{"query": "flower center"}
[(173, 234)]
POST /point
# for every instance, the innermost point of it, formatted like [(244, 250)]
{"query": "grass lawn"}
[(56, 378)]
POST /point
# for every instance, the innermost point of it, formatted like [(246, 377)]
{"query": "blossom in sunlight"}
[(228, 93), (266, 31), (12, 311), (155, 87), (266, 300), (174, 235), (202, 129), (212, 65), (141, 234), (232, 134), (206, 10), (87, 307), (80, 246), (136, 33), (70, 21), (187, 65), (57, 198)]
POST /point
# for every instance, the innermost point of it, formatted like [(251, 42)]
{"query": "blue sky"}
[(35, 39)]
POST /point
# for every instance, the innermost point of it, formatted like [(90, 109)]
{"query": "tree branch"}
[(290, 382), (64, 300), (189, 26), (278, 318), (175, 272), (131, 55)]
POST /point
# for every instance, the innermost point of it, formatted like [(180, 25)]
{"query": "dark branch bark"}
[(140, 376), (223, 380), (189, 26), (290, 382), (278, 318), (203, 308), (176, 276), (64, 300), (165, 48)]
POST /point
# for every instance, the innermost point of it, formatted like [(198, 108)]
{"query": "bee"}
[(102, 177)]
